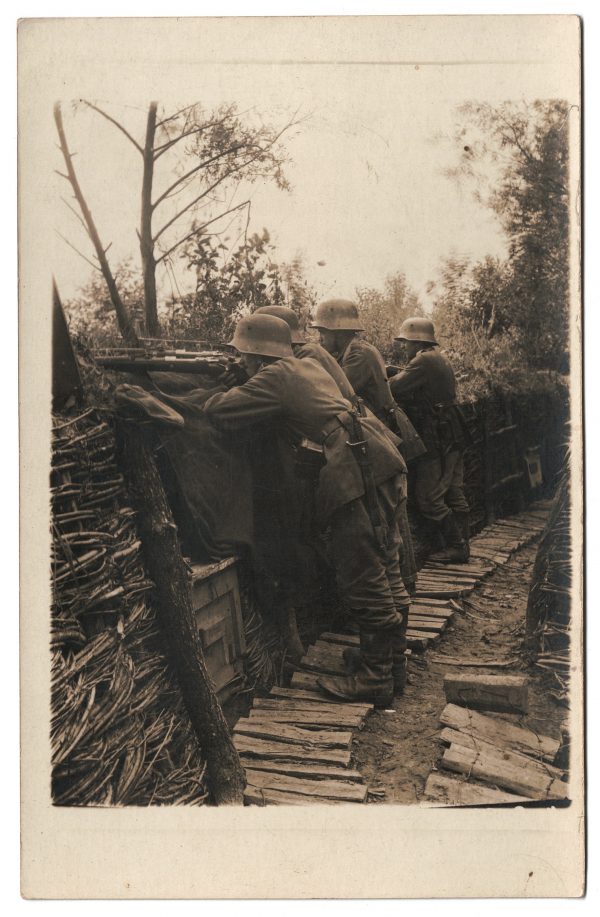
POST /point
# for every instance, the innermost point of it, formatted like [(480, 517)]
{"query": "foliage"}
[(516, 156), (472, 315), (382, 312), (229, 283), (91, 314)]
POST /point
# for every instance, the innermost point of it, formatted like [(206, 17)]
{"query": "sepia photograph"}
[(301, 434)]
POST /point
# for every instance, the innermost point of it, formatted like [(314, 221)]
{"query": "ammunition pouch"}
[(411, 445), (309, 458)]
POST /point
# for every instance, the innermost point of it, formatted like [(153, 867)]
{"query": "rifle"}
[(360, 448), (139, 361)]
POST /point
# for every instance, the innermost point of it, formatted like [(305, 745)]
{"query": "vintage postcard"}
[(301, 432)]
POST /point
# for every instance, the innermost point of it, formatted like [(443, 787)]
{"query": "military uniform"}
[(305, 402), (314, 351), (365, 368), (426, 389)]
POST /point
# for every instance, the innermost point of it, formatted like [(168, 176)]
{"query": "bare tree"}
[(209, 156)]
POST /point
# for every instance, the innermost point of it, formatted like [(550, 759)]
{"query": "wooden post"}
[(166, 567)]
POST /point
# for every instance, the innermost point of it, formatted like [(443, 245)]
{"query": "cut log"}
[(308, 719), (453, 792), (307, 771), (294, 735), (436, 626), (473, 663), (500, 732), (459, 737), (529, 780), (432, 611), (506, 693), (291, 705), (331, 789), (417, 643), (249, 745), (315, 695), (257, 796), (307, 680)]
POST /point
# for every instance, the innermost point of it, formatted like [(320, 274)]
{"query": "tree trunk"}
[(146, 240), (166, 567), (125, 326)]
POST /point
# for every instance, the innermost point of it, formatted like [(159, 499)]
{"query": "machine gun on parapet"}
[(212, 363)]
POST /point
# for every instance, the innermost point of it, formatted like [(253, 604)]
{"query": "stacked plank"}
[(450, 581), (295, 746), (497, 542), (509, 762)]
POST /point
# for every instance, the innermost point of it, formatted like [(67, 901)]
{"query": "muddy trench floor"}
[(397, 749)]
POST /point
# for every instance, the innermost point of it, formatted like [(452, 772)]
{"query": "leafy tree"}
[(229, 283), (91, 312), (382, 312), (516, 157)]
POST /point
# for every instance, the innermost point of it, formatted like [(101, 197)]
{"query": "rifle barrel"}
[(163, 365)]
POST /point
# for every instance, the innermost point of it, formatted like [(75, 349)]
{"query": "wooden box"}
[(217, 610)]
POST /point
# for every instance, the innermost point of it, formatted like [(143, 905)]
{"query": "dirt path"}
[(397, 750)]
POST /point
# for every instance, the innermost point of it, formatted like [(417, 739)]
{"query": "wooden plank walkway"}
[(295, 744)]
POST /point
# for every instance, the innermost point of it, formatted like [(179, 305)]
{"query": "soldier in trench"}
[(426, 389), (359, 504)]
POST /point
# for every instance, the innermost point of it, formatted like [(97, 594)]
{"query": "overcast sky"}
[(368, 196)]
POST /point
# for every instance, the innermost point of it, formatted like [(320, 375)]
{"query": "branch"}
[(195, 232), (197, 168), (116, 124), (159, 150), (177, 113), (81, 255), (75, 214), (222, 178), (123, 319)]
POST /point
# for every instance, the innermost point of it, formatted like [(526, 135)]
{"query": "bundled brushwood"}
[(120, 733), (548, 616)]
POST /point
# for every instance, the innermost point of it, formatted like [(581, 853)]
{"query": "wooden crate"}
[(217, 610)]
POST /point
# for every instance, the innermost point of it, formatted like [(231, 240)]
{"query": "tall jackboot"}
[(372, 679), (464, 527), (352, 654), (456, 551)]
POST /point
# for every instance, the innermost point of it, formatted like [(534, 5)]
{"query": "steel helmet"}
[(286, 315), (417, 329), (337, 315), (263, 335)]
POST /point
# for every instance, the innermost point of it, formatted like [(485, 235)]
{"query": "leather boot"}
[(352, 654), (291, 638), (372, 679), (399, 652), (464, 527), (456, 551)]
